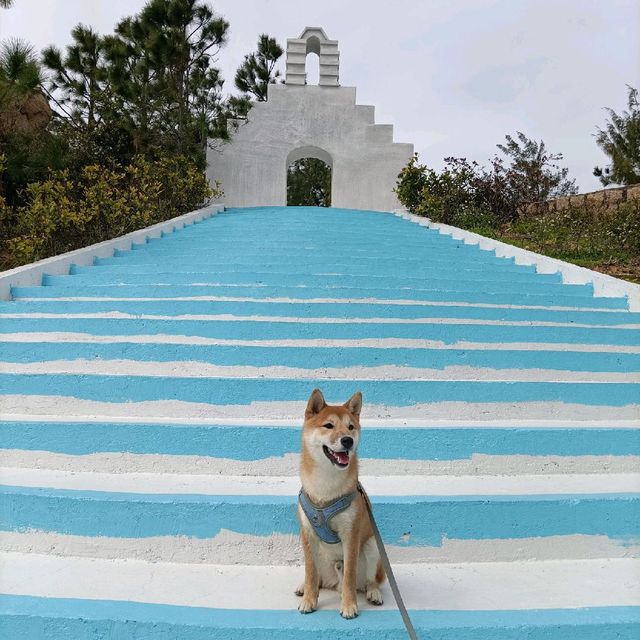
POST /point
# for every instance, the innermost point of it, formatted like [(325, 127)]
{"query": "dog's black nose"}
[(346, 442)]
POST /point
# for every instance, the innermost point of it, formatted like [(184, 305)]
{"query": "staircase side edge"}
[(31, 274), (603, 285)]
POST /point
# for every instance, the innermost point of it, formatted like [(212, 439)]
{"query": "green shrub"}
[(64, 212), (462, 194), (486, 201), (586, 233), (411, 181)]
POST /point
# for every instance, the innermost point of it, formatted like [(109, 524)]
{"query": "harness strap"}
[(411, 632), (319, 517)]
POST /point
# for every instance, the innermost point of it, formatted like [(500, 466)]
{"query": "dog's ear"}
[(316, 403), (354, 403)]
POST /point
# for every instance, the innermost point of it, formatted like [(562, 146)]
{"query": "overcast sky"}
[(453, 77)]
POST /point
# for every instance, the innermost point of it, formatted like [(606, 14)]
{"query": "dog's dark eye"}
[(328, 426), (350, 427)]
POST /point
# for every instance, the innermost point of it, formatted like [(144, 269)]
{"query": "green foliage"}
[(620, 140), (489, 201), (257, 71), (464, 193), (309, 183), (66, 212), (19, 72), (411, 183), (160, 66), (29, 157), (586, 233), (77, 78), (27, 147), (149, 87), (452, 192), (535, 176)]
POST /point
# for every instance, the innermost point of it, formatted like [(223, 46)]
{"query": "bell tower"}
[(313, 40)]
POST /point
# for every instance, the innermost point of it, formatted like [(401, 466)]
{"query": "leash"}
[(411, 632)]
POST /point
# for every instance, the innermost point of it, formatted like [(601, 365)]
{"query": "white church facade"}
[(310, 121)]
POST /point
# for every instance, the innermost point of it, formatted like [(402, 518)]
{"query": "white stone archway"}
[(365, 162), (309, 152)]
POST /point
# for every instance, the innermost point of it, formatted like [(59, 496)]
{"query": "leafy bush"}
[(489, 202), (464, 190), (411, 183), (64, 213), (462, 194)]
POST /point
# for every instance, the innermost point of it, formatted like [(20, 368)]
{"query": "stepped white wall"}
[(323, 122), (310, 121)]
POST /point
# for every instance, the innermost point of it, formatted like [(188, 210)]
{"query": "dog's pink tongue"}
[(342, 456)]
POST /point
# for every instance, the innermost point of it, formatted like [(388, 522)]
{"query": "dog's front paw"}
[(308, 605), (374, 596), (300, 590), (349, 611)]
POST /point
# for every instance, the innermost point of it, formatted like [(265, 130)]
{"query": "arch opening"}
[(312, 68), (309, 177), (312, 61)]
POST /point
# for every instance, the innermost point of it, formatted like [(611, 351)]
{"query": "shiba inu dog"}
[(340, 551)]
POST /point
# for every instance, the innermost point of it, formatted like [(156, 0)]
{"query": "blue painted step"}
[(404, 520), (318, 357), (62, 619), (244, 391), (248, 442)]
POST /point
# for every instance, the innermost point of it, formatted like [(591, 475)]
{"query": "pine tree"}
[(160, 66), (534, 174), (620, 140), (258, 70), (77, 79)]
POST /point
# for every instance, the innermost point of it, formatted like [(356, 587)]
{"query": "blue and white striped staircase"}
[(151, 408)]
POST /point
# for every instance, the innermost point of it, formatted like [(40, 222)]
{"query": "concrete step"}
[(318, 281), (131, 320), (409, 264), (90, 384), (370, 361), (427, 447), (550, 289), (570, 600), (328, 307), (411, 511), (145, 275), (234, 243), (95, 366), (466, 295)]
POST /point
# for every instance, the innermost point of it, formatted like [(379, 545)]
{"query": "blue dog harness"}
[(319, 518)]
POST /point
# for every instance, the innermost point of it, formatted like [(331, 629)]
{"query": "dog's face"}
[(331, 432)]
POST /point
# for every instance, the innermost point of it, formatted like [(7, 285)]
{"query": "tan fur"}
[(354, 563)]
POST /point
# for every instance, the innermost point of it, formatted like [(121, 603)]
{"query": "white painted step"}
[(190, 369), (550, 584), (215, 463), (381, 485), (51, 407)]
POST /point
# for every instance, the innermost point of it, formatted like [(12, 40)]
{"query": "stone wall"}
[(610, 198)]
